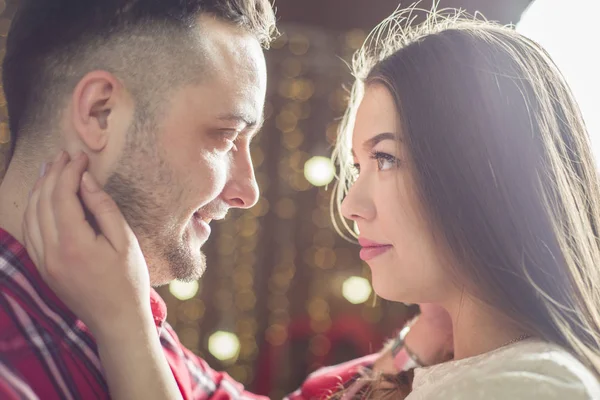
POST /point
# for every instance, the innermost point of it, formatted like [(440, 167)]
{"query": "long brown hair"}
[(502, 165)]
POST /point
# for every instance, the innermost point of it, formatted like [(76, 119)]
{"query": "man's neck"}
[(14, 194)]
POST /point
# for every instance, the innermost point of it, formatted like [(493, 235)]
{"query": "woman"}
[(466, 166)]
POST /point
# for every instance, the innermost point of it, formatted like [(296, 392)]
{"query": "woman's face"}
[(396, 239)]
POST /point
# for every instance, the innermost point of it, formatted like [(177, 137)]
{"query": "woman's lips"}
[(371, 249)]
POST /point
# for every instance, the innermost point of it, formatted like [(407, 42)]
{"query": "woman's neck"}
[(479, 328)]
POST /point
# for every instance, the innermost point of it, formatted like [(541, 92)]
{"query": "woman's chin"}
[(387, 291)]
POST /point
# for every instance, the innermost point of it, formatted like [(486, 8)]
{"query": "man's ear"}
[(93, 104)]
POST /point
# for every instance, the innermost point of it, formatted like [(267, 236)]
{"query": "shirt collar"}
[(20, 260)]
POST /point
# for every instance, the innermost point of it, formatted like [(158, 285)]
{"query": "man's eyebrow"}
[(247, 119)]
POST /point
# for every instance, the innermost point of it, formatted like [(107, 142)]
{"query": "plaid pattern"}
[(47, 353)]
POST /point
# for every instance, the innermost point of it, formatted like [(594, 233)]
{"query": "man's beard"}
[(144, 189)]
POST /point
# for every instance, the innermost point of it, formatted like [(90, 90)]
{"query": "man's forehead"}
[(231, 59), (227, 44), (224, 102), (233, 72)]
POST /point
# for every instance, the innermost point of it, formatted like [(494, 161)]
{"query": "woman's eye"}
[(385, 161)]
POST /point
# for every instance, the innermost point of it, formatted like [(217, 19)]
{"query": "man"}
[(164, 97)]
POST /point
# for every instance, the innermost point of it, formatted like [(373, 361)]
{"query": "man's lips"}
[(204, 218), (209, 214), (201, 226)]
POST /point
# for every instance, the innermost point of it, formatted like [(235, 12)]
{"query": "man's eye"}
[(229, 134), (229, 137)]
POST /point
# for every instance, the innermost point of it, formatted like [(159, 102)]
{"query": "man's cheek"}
[(217, 172)]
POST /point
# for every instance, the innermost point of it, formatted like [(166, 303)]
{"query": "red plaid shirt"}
[(46, 352)]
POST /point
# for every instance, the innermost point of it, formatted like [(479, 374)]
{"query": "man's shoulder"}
[(17, 315), (27, 304), (43, 347), (25, 311), (12, 384), (13, 344)]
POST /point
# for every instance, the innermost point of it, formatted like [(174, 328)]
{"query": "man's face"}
[(194, 164)]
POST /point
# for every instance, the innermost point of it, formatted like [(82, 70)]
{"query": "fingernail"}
[(43, 169), (48, 166), (89, 183), (59, 156)]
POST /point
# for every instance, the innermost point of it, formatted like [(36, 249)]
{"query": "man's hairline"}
[(194, 36)]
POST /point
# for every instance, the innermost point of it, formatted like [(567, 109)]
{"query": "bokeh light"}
[(356, 290), (184, 290), (223, 345), (319, 171)]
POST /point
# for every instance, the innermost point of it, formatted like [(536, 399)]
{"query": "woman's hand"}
[(101, 276), (430, 339)]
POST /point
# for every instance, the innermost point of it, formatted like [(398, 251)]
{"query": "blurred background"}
[(284, 294)]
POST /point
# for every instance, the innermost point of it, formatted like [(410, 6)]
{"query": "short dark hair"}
[(52, 44)]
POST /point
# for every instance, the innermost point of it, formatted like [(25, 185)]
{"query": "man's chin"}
[(161, 279), (192, 274), (191, 265), (177, 263)]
